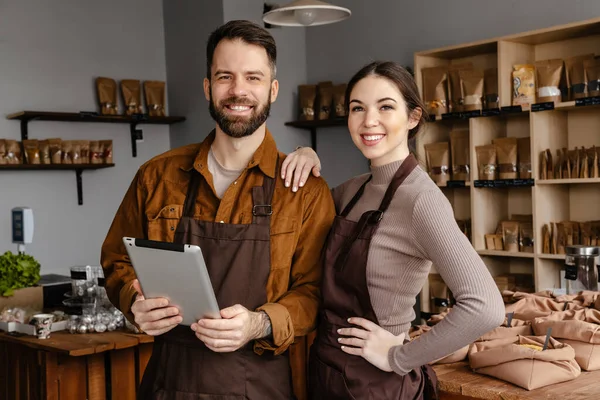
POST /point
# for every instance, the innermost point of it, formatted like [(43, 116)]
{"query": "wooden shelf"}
[(312, 126), (500, 253), (78, 168), (456, 185), (132, 120), (54, 167), (551, 256), (567, 181)]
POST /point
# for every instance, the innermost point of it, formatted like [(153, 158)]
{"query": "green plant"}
[(17, 271)]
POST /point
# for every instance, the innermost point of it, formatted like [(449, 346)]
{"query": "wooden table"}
[(457, 381), (73, 366)]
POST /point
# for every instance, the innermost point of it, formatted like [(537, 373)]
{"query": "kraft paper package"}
[(580, 329), (522, 362)]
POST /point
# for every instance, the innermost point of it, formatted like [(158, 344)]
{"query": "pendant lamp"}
[(306, 13)]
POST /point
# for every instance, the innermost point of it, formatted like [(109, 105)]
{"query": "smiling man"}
[(262, 242)]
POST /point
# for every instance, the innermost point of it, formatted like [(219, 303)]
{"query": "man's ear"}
[(274, 90), (207, 89)]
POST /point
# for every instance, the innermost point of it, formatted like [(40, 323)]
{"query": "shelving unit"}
[(568, 124), (133, 121), (312, 126)]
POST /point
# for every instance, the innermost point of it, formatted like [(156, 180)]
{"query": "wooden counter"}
[(73, 366), (457, 381)]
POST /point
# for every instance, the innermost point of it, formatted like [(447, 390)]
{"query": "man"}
[(262, 242)]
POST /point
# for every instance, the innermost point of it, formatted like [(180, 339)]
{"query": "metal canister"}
[(582, 264)]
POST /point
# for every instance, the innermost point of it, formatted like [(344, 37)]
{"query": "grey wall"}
[(188, 23), (50, 53), (395, 30)]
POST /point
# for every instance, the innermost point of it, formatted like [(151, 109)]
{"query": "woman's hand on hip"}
[(370, 341)]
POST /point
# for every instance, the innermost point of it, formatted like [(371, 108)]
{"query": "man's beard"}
[(238, 127)]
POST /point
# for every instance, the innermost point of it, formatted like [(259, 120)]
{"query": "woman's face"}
[(378, 120)]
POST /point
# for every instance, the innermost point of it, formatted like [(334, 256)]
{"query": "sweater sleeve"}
[(479, 307)]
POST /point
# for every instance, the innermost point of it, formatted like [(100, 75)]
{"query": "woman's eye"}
[(386, 107), (356, 109)]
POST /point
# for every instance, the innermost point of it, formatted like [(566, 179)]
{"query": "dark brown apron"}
[(238, 258), (333, 373)]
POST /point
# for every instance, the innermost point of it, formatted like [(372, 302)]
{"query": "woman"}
[(392, 224)]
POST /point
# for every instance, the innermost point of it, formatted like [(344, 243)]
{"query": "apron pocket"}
[(327, 380)]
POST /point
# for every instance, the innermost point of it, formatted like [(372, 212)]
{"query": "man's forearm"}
[(264, 328)]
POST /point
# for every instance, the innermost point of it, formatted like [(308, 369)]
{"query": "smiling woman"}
[(392, 225)]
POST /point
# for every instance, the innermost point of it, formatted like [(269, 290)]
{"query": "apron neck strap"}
[(355, 199), (262, 198), (192, 193)]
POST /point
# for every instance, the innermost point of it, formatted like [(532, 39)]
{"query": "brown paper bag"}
[(549, 75), (155, 98), (576, 82), (471, 81), (517, 328), (592, 76), (524, 157), (509, 360), (308, 97), (487, 162), (459, 146), (132, 96), (435, 90), (492, 100), (523, 84), (455, 95), (506, 149), (2, 152), (578, 328), (325, 90), (107, 96), (438, 162)]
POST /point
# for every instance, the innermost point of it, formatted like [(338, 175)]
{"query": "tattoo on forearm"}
[(268, 329)]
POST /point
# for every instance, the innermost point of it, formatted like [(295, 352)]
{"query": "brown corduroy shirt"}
[(300, 223)]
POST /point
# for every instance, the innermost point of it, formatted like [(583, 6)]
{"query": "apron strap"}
[(355, 199), (262, 198), (192, 193), (373, 217)]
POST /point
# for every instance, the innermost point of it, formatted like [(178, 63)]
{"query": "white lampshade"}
[(306, 13)]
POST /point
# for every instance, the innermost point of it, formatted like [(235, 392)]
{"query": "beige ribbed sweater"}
[(419, 229)]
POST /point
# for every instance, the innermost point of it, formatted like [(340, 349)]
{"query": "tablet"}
[(176, 272)]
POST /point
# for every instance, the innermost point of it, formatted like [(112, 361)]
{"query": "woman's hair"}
[(405, 82)]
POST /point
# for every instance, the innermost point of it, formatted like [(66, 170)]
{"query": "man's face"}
[(241, 88)]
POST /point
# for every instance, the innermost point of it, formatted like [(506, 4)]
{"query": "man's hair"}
[(246, 31)]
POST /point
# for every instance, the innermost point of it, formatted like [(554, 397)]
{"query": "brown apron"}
[(333, 373), (238, 259)]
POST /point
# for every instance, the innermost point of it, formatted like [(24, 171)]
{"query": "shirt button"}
[(171, 209), (172, 228), (235, 183)]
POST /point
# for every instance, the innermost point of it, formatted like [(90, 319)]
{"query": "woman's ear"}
[(414, 118)]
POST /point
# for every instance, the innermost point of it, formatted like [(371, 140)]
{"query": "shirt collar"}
[(265, 157)]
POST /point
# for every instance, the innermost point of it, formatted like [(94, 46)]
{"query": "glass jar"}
[(581, 268)]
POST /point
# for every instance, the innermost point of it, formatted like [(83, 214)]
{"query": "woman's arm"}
[(479, 307)]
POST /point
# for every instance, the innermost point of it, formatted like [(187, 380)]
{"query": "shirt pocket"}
[(162, 226), (283, 241)]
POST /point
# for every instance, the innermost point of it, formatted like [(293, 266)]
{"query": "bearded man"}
[(261, 241)]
